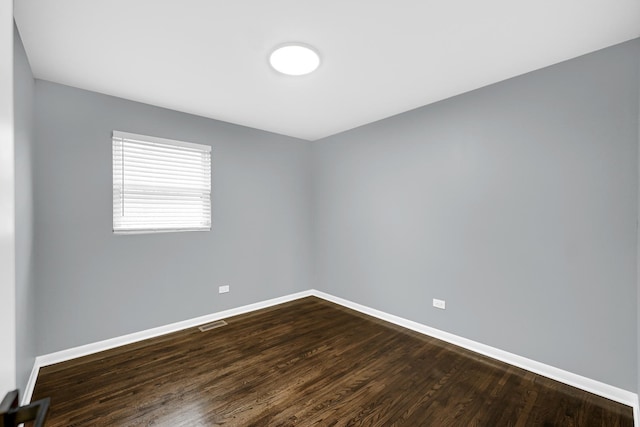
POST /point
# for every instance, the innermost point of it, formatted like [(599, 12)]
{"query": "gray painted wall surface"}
[(24, 87), (638, 231), (94, 285), (515, 203)]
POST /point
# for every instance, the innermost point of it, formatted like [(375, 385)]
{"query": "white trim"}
[(96, 347), (84, 350), (28, 390), (154, 139), (7, 202), (587, 384), (592, 386)]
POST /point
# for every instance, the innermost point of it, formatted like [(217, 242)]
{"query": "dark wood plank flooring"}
[(309, 362)]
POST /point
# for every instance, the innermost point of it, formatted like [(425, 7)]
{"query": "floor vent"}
[(212, 325)]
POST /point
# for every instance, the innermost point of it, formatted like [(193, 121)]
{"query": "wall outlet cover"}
[(439, 303)]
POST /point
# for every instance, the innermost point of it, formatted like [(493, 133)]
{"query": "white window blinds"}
[(160, 184)]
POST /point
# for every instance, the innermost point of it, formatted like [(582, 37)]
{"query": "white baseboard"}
[(592, 386), (96, 347), (596, 387), (31, 383)]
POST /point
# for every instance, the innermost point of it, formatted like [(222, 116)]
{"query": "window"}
[(160, 185)]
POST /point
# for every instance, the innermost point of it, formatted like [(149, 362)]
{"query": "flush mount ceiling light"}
[(294, 60)]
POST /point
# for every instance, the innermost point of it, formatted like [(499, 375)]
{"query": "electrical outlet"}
[(223, 289), (439, 303)]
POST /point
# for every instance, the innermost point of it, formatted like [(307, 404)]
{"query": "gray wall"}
[(24, 87), (516, 203), (95, 285)]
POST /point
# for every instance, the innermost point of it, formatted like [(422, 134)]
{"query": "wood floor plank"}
[(309, 363)]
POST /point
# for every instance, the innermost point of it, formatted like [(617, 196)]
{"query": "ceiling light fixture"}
[(294, 59)]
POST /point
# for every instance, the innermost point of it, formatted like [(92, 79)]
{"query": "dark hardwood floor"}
[(309, 362)]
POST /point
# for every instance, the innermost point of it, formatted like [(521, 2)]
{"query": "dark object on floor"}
[(12, 414)]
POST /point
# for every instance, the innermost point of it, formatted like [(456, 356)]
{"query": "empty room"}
[(283, 213)]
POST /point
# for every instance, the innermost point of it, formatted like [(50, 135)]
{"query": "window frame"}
[(120, 137)]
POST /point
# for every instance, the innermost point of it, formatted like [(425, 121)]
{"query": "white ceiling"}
[(379, 58)]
